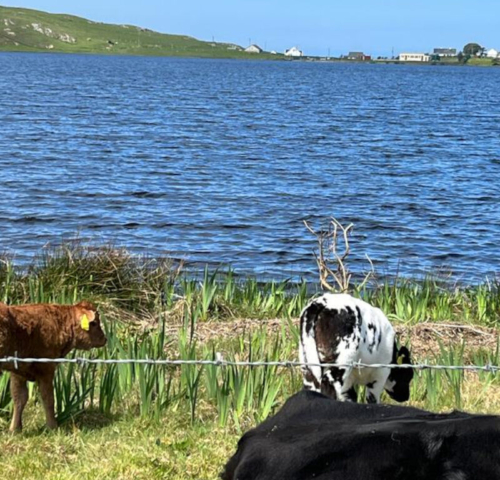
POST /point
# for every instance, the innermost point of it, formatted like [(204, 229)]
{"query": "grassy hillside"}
[(31, 30)]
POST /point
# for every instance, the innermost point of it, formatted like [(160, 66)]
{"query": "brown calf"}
[(44, 331)]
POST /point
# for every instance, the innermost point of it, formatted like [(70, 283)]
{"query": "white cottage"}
[(492, 53), (294, 52), (253, 49), (414, 57)]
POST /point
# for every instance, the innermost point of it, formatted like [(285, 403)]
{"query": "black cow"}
[(315, 437)]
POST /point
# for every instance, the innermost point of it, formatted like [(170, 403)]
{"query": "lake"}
[(220, 161)]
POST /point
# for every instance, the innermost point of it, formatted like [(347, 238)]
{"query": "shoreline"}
[(249, 57)]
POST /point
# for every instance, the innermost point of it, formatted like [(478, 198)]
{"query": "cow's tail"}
[(308, 350)]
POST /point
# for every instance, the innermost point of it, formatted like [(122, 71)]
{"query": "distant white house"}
[(253, 49), (492, 53), (294, 52), (414, 57)]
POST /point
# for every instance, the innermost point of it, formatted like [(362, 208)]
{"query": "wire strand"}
[(220, 362)]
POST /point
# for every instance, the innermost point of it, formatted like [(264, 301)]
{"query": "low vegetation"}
[(143, 421)]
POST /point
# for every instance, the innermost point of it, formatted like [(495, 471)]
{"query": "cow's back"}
[(315, 437), (34, 330), (348, 325)]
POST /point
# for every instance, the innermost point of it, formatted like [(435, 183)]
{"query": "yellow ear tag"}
[(85, 322), (400, 360)]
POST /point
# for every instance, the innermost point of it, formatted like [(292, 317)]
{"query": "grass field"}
[(32, 30), (124, 422), (481, 62)]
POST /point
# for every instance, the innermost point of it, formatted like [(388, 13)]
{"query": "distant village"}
[(471, 50)]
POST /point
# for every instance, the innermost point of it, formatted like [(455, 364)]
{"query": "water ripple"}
[(220, 161)]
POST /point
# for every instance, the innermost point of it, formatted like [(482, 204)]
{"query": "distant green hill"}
[(31, 30)]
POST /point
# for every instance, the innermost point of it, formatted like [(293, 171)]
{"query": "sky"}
[(318, 27)]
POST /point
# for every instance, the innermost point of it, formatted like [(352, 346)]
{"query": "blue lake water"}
[(220, 161)]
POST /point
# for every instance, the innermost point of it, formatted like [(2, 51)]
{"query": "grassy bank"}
[(136, 421), (35, 31)]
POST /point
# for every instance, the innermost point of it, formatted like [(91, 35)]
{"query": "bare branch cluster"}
[(331, 257)]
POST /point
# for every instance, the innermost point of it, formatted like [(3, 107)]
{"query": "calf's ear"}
[(403, 356)]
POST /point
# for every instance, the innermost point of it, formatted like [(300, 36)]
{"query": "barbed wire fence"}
[(219, 361)]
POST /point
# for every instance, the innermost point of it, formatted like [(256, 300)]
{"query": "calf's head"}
[(398, 383), (88, 331)]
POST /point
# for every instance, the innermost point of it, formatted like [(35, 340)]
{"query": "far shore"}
[(263, 56)]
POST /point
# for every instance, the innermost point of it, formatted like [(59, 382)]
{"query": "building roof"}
[(294, 51), (253, 47)]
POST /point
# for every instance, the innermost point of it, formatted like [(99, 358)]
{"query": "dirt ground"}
[(424, 338)]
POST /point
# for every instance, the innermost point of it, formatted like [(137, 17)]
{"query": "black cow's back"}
[(313, 437)]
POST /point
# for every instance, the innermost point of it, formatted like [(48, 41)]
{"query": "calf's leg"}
[(353, 395), (374, 388), (337, 384), (19, 392), (309, 354), (46, 386)]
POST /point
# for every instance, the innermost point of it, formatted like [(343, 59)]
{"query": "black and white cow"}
[(315, 437), (338, 328)]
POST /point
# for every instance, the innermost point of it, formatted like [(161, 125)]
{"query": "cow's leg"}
[(308, 353), (337, 384), (46, 385), (328, 385), (353, 395), (19, 392), (309, 380), (373, 391)]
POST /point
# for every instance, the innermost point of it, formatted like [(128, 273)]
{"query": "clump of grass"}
[(75, 270)]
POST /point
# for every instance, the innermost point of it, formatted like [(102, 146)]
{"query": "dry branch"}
[(331, 258)]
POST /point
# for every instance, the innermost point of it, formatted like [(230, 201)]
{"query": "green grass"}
[(126, 447), (164, 423), (481, 62), (137, 421), (32, 30), (473, 61)]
